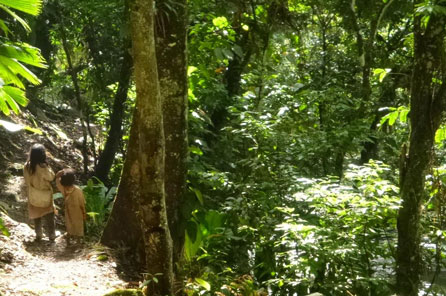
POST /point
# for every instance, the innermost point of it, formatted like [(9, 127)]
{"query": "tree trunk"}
[(107, 156), (124, 209), (77, 92), (151, 202), (171, 38), (427, 104)]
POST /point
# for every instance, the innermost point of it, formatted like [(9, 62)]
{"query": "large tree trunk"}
[(124, 209), (427, 105), (151, 201), (172, 68), (171, 38), (107, 156)]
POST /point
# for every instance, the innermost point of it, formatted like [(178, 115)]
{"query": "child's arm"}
[(58, 185)]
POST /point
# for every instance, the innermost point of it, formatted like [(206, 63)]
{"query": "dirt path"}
[(29, 268)]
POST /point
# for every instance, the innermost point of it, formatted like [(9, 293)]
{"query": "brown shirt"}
[(74, 209), (41, 179)]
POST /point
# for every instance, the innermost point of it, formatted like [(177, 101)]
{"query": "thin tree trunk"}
[(171, 36), (77, 93), (91, 134), (107, 156), (151, 201), (427, 105)]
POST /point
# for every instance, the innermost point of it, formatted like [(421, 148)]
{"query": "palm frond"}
[(17, 68), (24, 53), (11, 102), (17, 94), (4, 28), (16, 17), (7, 75), (32, 7), (3, 107)]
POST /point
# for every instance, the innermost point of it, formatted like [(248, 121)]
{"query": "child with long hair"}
[(38, 176), (75, 213)]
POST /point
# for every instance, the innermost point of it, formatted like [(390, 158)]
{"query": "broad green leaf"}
[(220, 22), (381, 73), (191, 247), (195, 150), (203, 283), (214, 220), (198, 195), (403, 114), (440, 135), (190, 70), (227, 53), (393, 116)]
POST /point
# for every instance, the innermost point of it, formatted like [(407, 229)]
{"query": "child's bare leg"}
[(51, 227)]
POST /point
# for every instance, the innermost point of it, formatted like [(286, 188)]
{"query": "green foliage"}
[(13, 56), (318, 234), (202, 227), (3, 229), (395, 114), (339, 237), (98, 204), (32, 7)]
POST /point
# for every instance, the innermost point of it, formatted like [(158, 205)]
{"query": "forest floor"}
[(44, 268)]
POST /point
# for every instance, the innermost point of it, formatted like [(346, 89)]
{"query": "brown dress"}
[(41, 179), (74, 209)]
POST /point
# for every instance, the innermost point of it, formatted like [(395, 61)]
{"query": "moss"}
[(102, 258), (129, 292)]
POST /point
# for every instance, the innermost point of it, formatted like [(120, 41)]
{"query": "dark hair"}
[(37, 155), (68, 177)]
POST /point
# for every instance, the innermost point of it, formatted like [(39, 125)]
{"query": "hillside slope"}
[(26, 267)]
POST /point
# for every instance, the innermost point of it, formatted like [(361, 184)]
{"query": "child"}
[(38, 176), (74, 204)]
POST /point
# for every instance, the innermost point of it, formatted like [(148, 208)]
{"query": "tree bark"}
[(77, 92), (107, 156), (171, 36), (151, 202), (427, 105), (124, 208)]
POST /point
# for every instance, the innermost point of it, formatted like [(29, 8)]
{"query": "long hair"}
[(37, 155)]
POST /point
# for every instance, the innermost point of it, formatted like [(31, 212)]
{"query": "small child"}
[(74, 204), (38, 176)]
